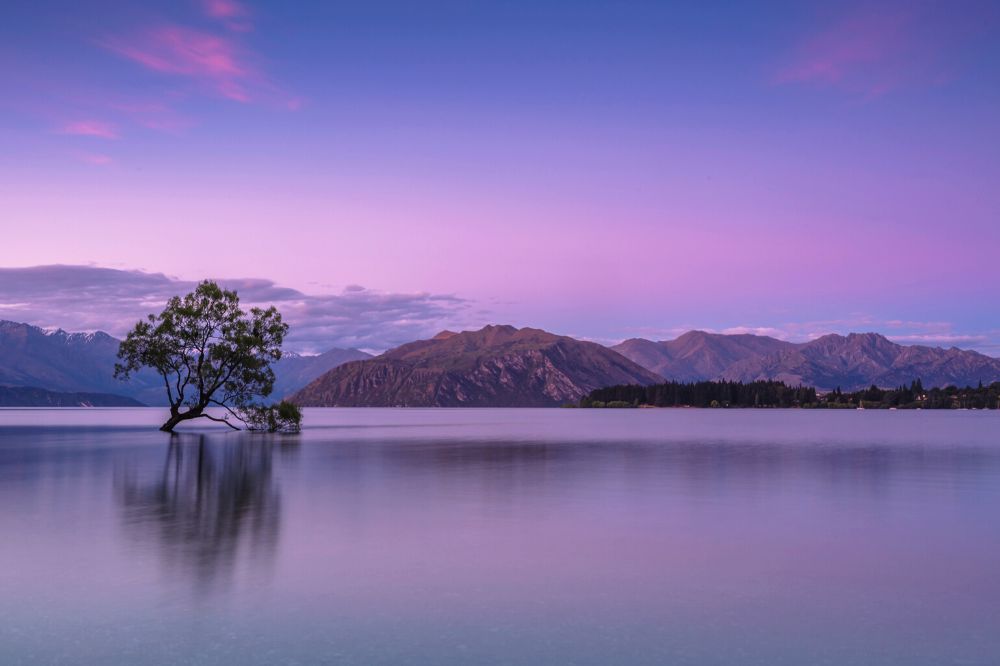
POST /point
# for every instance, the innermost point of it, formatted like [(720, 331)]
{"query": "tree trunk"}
[(177, 416)]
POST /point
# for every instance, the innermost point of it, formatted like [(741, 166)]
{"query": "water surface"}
[(503, 537)]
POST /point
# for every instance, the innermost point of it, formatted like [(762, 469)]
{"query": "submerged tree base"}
[(178, 417), (281, 417)]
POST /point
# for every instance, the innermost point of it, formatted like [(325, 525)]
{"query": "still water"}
[(386, 536)]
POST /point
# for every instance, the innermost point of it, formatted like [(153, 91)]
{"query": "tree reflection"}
[(211, 506)]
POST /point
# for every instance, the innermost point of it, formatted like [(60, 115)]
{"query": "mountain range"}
[(496, 366), (294, 371), (61, 362), (850, 362), (68, 363), (697, 356), (31, 396)]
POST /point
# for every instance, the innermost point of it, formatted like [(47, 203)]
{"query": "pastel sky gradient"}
[(600, 169)]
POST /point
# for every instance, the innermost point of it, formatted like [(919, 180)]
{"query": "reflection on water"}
[(503, 536), (211, 502)]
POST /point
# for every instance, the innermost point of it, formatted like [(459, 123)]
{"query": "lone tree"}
[(211, 353)]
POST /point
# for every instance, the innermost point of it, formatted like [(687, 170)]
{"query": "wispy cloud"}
[(872, 49), (207, 52), (938, 339), (216, 61), (95, 128), (859, 52), (233, 15), (756, 330), (89, 298)]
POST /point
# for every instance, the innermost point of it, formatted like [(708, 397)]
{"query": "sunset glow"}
[(603, 171)]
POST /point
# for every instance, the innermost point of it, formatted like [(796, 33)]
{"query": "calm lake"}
[(387, 536)]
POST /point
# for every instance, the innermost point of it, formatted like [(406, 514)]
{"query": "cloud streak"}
[(208, 54), (871, 50), (214, 61), (232, 14), (859, 52), (94, 128), (88, 298)]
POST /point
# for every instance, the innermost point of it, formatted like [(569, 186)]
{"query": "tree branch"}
[(187, 377), (170, 395), (215, 387), (228, 409), (215, 418)]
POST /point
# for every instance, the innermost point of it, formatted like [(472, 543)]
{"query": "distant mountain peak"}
[(695, 333), (497, 365), (852, 361), (498, 329), (869, 336), (62, 362), (83, 364)]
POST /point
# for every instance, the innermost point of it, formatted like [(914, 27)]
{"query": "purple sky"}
[(599, 169)]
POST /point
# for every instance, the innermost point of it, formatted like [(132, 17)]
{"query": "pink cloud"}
[(90, 128), (940, 339), (213, 60), (756, 330), (870, 52), (835, 53), (233, 14)]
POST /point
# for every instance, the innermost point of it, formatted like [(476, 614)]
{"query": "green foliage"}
[(611, 404), (209, 352), (778, 394), (282, 417), (702, 394), (915, 396)]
